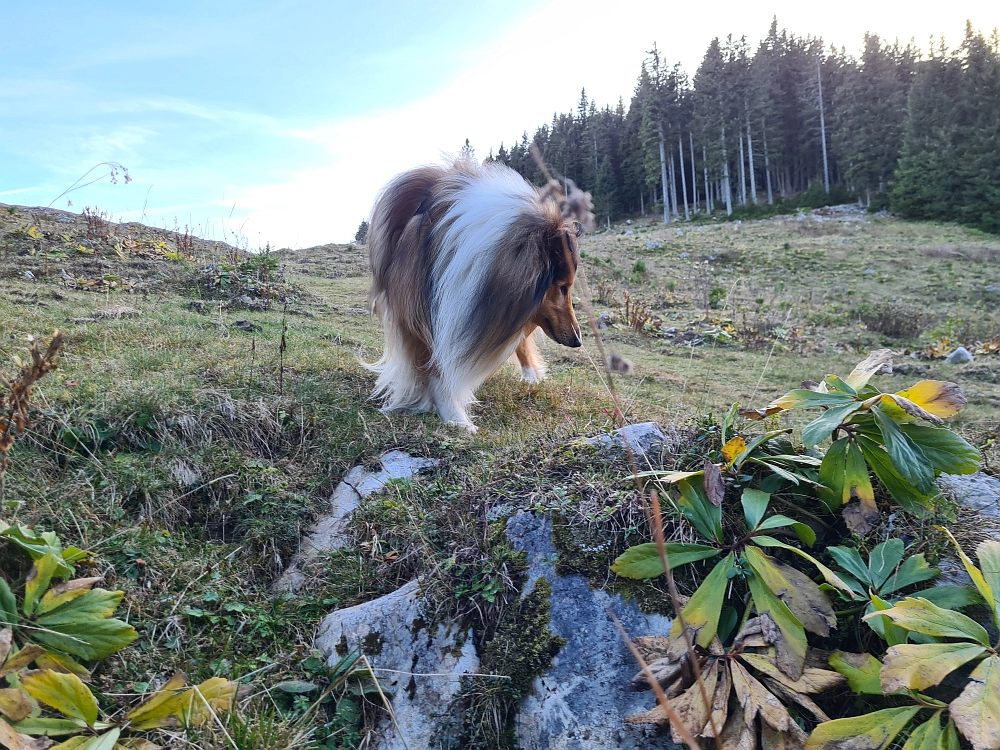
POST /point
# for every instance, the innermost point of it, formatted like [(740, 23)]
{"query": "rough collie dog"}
[(468, 261)]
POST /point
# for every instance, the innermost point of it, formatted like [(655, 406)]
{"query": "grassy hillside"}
[(208, 402)]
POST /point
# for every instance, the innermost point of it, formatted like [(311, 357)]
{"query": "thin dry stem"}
[(651, 504)]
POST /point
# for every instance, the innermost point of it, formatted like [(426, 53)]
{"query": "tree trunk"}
[(694, 176), (708, 191), (673, 188), (767, 164), (663, 176), (753, 176), (642, 206), (727, 192), (684, 187), (743, 180), (822, 128)]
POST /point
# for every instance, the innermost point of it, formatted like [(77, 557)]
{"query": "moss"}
[(521, 650), (589, 552)]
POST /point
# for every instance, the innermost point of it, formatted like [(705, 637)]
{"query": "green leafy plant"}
[(56, 622), (899, 437), (886, 574), (792, 600)]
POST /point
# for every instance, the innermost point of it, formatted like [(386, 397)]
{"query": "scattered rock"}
[(978, 491), (605, 320), (654, 245), (684, 256), (959, 356), (116, 312), (580, 702), (247, 326), (420, 659), (644, 438), (629, 231), (328, 533), (29, 275), (357, 310)]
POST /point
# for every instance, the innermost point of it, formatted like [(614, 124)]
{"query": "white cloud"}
[(537, 69)]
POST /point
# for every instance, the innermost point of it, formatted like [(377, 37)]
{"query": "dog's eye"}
[(564, 288)]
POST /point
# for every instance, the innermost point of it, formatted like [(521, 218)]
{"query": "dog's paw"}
[(531, 375)]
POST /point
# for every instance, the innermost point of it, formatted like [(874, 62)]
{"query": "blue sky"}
[(280, 120)]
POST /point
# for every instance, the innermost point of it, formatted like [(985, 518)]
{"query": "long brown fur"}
[(467, 262)]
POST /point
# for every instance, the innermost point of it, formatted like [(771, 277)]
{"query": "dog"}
[(467, 261)]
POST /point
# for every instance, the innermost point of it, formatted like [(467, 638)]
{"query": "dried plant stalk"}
[(16, 394)]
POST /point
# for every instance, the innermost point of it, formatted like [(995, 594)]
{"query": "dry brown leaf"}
[(755, 698), (720, 702), (21, 659), (879, 362), (652, 647), (771, 739), (801, 595), (13, 740), (715, 490), (691, 708), (860, 517), (6, 639), (738, 734), (812, 681), (665, 671)]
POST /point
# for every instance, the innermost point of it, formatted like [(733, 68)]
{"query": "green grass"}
[(190, 455)]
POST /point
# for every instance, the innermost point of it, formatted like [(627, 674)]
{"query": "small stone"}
[(959, 356), (247, 326), (653, 245), (684, 256), (629, 231), (869, 272), (643, 438), (29, 275)]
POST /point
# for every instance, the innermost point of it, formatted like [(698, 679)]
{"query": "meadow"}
[(208, 400)]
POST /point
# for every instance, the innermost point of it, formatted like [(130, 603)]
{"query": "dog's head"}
[(555, 315)]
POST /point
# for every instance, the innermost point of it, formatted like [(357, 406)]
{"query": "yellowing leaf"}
[(861, 671), (35, 233), (701, 615), (14, 704), (801, 595), (61, 663), (734, 447), (217, 692), (939, 398), (976, 712), (65, 693), (871, 731), (908, 407), (920, 616), (927, 736), (916, 666), (65, 592), (156, 711), (38, 580), (876, 363), (985, 589), (19, 660)]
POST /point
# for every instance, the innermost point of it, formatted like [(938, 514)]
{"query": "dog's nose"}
[(577, 338)]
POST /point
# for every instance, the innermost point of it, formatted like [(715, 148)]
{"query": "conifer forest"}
[(790, 123)]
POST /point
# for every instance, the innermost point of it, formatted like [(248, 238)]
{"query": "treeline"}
[(791, 119)]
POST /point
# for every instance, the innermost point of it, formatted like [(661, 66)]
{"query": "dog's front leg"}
[(532, 366)]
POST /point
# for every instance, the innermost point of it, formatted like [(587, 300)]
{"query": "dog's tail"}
[(404, 198), (399, 296)]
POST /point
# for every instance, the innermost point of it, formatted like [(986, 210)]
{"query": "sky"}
[(277, 122)]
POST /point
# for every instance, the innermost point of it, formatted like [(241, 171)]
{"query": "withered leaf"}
[(812, 681), (799, 592), (860, 517), (738, 734), (720, 702), (715, 490), (757, 699), (692, 708), (879, 362)]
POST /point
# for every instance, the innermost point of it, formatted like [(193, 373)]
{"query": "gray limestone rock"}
[(329, 531), (420, 663), (978, 491), (959, 356), (644, 437), (581, 702)]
